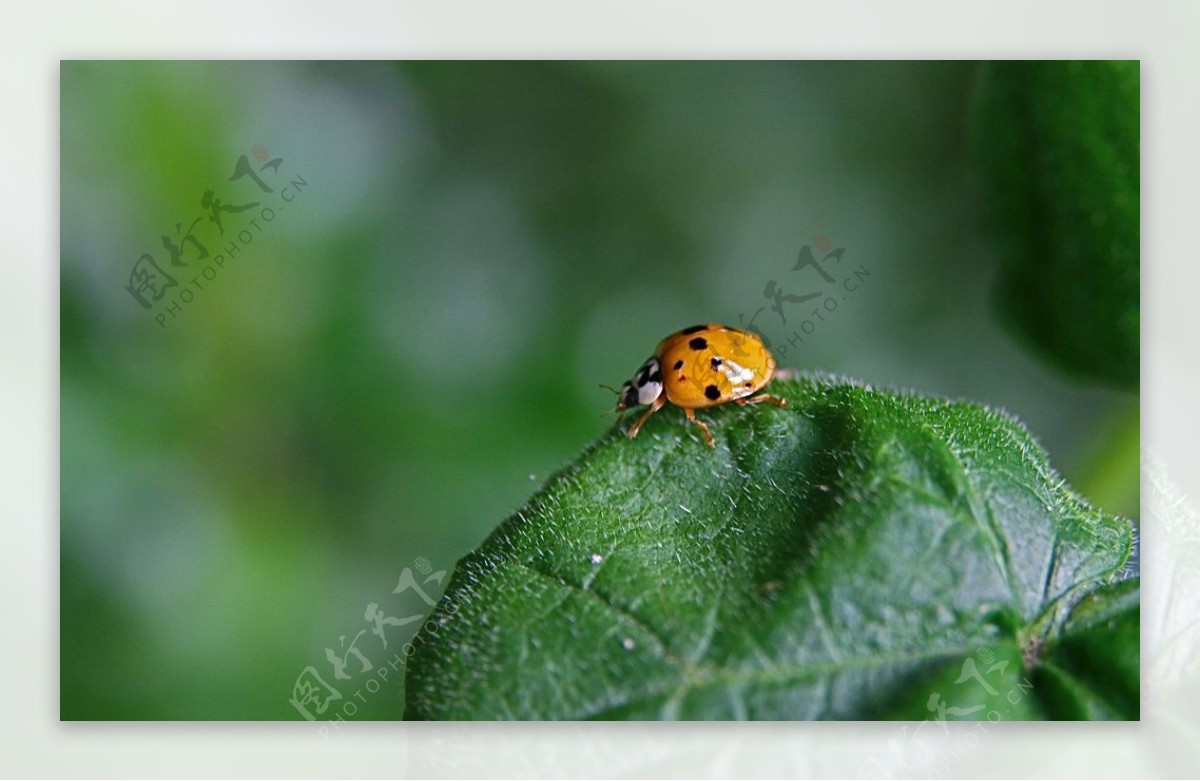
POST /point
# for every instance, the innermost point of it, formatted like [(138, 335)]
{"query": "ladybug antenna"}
[(619, 412)]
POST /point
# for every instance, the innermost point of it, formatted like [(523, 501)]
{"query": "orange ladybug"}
[(700, 367)]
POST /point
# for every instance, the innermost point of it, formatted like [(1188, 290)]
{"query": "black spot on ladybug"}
[(656, 377), (695, 329), (699, 343), (679, 364), (712, 392), (716, 363), (749, 384)]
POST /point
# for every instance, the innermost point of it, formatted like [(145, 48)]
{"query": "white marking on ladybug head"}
[(646, 385)]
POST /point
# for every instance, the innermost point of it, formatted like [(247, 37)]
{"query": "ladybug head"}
[(627, 397), (645, 387)]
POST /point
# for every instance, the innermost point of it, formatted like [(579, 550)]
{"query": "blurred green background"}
[(399, 358)]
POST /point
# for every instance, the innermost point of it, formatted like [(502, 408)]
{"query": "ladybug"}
[(700, 367)]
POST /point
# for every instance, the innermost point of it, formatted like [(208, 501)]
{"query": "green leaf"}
[(1097, 658), (841, 558), (1058, 145)]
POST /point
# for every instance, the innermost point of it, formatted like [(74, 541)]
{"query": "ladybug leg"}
[(767, 397), (691, 416), (655, 407)]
